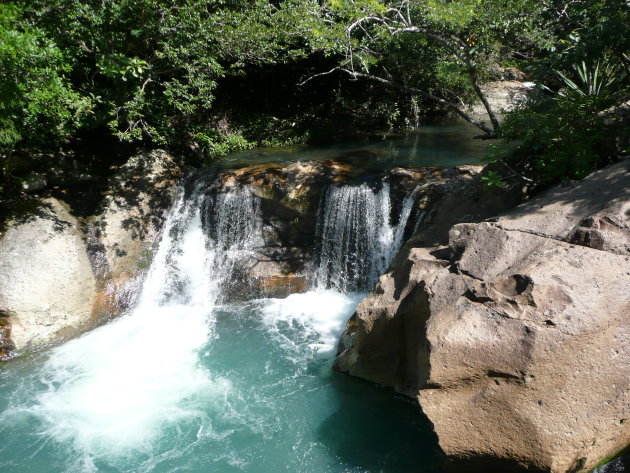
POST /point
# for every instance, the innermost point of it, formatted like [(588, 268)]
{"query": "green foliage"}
[(569, 134), (37, 101), (567, 137), (214, 145), (493, 178), (152, 66), (443, 48), (593, 80), (156, 72)]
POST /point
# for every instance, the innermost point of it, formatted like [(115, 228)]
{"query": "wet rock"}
[(515, 337), (47, 288), (34, 182), (290, 197), (282, 286)]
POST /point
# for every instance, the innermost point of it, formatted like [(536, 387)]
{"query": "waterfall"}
[(205, 238), (233, 223), (357, 237), (114, 389), (139, 393)]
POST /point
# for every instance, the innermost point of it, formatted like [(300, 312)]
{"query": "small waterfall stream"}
[(357, 237)]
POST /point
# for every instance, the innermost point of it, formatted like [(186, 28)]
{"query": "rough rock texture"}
[(122, 237), (59, 278), (47, 288), (516, 337), (133, 212)]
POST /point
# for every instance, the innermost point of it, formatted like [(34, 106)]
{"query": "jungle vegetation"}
[(84, 83)]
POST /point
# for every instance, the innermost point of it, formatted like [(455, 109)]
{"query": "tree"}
[(382, 41), (153, 66), (38, 105), (578, 126)]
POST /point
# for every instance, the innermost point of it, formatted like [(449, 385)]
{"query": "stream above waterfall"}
[(430, 145)]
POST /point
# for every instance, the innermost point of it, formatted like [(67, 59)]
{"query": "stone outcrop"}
[(514, 337), (133, 212), (503, 96), (47, 287), (60, 276)]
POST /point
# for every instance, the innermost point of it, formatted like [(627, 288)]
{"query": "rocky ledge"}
[(60, 275), (513, 335), (292, 195)]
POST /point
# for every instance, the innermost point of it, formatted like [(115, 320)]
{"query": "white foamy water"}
[(113, 390), (358, 238), (318, 314)]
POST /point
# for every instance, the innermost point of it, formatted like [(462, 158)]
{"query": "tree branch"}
[(454, 44), (307, 80)]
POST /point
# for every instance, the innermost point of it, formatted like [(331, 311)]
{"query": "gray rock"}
[(503, 96), (122, 237), (47, 288), (134, 210), (34, 182)]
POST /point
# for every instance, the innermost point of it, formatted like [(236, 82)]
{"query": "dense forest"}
[(84, 83)]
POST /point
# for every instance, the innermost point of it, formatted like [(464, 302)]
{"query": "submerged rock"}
[(515, 337), (47, 287)]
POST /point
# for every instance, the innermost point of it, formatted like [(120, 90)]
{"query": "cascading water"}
[(187, 381), (110, 391), (358, 238), (233, 226)]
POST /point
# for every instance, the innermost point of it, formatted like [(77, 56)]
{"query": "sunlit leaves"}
[(37, 101)]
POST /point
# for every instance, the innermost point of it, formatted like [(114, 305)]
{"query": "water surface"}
[(439, 145)]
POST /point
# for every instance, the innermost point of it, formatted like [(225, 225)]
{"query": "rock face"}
[(47, 288), (133, 211), (289, 198), (503, 96), (59, 277), (515, 338)]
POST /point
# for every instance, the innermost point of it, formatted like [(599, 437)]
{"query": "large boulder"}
[(503, 96), (60, 277), (47, 287), (515, 339), (133, 212)]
